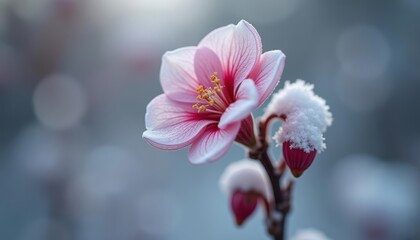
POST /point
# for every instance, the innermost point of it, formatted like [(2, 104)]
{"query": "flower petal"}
[(213, 143), (267, 73), (246, 101), (238, 48), (177, 75), (206, 63), (172, 125)]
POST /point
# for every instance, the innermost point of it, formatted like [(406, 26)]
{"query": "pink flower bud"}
[(297, 159), (243, 205)]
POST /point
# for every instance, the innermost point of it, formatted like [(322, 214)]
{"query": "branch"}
[(281, 208)]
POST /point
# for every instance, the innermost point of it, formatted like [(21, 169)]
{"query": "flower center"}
[(211, 99)]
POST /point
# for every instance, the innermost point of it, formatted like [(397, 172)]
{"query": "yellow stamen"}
[(209, 95), (196, 106), (202, 108), (199, 89)]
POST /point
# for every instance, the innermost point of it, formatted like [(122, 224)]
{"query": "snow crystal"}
[(310, 234), (307, 116), (246, 175)]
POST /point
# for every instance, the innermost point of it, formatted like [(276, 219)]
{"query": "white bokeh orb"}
[(59, 102), (363, 51)]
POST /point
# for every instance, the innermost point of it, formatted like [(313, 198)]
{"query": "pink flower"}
[(210, 91)]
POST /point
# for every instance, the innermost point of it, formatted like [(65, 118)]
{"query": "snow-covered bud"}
[(245, 182), (306, 117), (243, 204), (310, 234), (297, 159)]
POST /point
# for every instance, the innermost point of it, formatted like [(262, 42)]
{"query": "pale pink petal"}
[(172, 125), (213, 143), (238, 48), (177, 75), (206, 63), (267, 73), (246, 101)]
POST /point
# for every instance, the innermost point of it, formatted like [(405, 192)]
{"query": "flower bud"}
[(243, 204), (245, 182), (297, 159), (306, 117), (246, 135)]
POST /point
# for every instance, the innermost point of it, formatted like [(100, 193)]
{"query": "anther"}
[(209, 94), (202, 108)]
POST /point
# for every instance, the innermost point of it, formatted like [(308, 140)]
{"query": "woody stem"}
[(277, 217)]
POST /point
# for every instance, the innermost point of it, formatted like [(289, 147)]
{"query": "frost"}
[(245, 175), (310, 234), (307, 116)]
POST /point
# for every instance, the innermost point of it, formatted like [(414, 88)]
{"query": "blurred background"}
[(76, 76)]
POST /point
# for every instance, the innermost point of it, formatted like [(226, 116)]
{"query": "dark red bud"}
[(297, 159), (243, 205)]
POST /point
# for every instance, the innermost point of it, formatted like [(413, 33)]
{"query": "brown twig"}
[(276, 223)]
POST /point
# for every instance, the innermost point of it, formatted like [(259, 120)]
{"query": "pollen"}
[(199, 89), (202, 108), (210, 96)]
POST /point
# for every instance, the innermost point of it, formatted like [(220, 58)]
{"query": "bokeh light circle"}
[(59, 102), (363, 51)]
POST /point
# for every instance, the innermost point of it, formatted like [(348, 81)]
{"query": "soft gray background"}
[(76, 76)]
